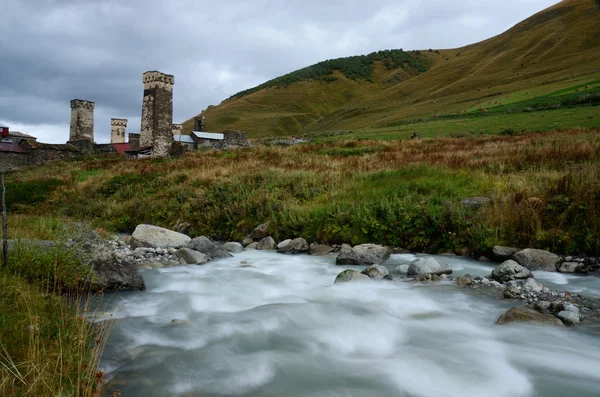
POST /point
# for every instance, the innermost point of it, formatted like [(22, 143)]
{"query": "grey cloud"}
[(57, 50)]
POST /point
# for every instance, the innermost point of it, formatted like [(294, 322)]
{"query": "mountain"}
[(551, 51)]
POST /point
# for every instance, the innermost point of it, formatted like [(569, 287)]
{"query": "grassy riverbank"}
[(544, 190), (47, 345)]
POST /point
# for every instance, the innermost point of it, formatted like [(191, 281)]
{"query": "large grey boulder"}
[(510, 270), (402, 269), (320, 249), (526, 315), (569, 318), (428, 265), (157, 237), (364, 254), (257, 234), (266, 244), (504, 253), (296, 246), (376, 272), (570, 267), (208, 247), (350, 276), (191, 257), (233, 247), (534, 259)]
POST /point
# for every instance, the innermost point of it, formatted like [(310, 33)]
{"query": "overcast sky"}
[(52, 51)]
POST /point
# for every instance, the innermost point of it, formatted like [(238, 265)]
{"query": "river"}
[(282, 329)]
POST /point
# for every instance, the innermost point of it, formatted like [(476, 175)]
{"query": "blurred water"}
[(283, 329)]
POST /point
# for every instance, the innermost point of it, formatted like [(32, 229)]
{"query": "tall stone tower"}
[(117, 130), (82, 120), (157, 112), (199, 123)]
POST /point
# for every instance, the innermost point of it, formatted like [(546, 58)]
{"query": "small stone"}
[(464, 281)]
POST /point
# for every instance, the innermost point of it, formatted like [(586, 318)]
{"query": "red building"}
[(3, 130)]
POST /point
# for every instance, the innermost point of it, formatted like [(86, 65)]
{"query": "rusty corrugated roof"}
[(11, 147)]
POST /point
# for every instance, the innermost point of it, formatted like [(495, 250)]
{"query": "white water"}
[(282, 329)]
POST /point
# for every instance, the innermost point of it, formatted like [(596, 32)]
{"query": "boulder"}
[(257, 234), (526, 315), (428, 265), (202, 244), (402, 269), (251, 246), (569, 317), (233, 247), (246, 241), (191, 257), (157, 237), (364, 254), (296, 246), (475, 202), (504, 253), (320, 249), (464, 281), (510, 270), (571, 267), (350, 276), (284, 243), (534, 259), (532, 286), (219, 253), (266, 244), (376, 272)]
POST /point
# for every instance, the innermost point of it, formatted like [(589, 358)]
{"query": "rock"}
[(464, 281), (219, 253), (569, 318), (233, 247), (349, 276), (191, 257), (124, 240), (376, 272), (157, 237), (428, 265), (510, 270), (266, 244), (320, 249), (534, 259), (402, 269), (504, 253), (257, 234), (364, 254), (251, 246), (571, 267), (531, 286), (525, 315), (568, 307), (202, 244), (400, 250), (296, 246), (476, 202), (484, 259), (542, 306), (284, 243)]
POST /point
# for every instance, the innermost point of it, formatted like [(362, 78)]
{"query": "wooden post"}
[(4, 223)]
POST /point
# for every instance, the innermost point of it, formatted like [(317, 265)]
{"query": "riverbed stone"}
[(320, 249), (364, 254), (569, 318), (266, 244), (504, 253), (283, 243), (260, 232), (532, 286), (296, 246), (252, 246), (534, 259), (157, 237), (376, 272), (428, 265), (202, 244), (350, 276), (402, 269), (464, 281), (526, 315), (510, 270), (191, 257), (571, 267), (233, 247)]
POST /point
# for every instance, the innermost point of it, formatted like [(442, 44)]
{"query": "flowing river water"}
[(282, 329)]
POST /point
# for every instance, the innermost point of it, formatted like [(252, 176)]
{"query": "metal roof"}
[(183, 138), (209, 135), (21, 134)]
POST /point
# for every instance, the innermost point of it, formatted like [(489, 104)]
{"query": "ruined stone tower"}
[(117, 130), (199, 123), (157, 112), (82, 120)]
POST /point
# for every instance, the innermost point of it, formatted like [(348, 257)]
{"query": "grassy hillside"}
[(554, 51)]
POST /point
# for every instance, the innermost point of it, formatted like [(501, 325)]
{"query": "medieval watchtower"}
[(82, 120), (157, 112), (117, 130)]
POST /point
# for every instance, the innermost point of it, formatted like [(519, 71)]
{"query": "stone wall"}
[(11, 160), (231, 139), (117, 130), (82, 120), (40, 153), (134, 140), (157, 113)]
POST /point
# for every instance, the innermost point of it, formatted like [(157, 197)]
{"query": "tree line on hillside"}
[(354, 68)]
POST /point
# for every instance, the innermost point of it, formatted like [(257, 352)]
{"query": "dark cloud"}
[(52, 51)]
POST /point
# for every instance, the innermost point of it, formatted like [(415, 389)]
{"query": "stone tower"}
[(117, 130), (177, 129), (199, 123), (82, 120), (157, 112)]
